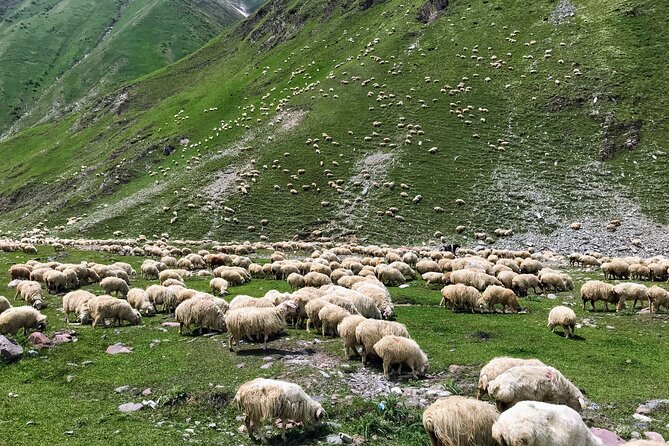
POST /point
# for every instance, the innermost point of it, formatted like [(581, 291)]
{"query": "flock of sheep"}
[(342, 290)]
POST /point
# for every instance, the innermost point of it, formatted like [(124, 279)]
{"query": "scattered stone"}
[(266, 366), (122, 389), (551, 296), (608, 438), (118, 348), (40, 340), (130, 407), (146, 392), (334, 439), (396, 390), (170, 324), (642, 418), (267, 359), (10, 350)]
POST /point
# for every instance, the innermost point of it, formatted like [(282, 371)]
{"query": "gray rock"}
[(10, 350), (334, 439), (122, 389), (266, 366), (130, 407)]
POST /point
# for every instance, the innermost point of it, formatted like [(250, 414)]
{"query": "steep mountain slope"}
[(328, 117), (54, 53)]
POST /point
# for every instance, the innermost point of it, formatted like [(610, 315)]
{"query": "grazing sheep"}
[(218, 286), (31, 292), (20, 272), (4, 304), (659, 298), (534, 423), (108, 307), (530, 266), (630, 291), (165, 297), (506, 278), (616, 269), (330, 316), (315, 279), (433, 278), (370, 331), (77, 302), (553, 281), (139, 300), (312, 309), (150, 271), (243, 301), (269, 399), (536, 383), (460, 297), (15, 318), (594, 290), (401, 350), (639, 272), (496, 367), (460, 421), (425, 266), (498, 295), (474, 278), (522, 283), (390, 276), (346, 330), (56, 281), (250, 322), (115, 285), (295, 280), (203, 313), (376, 291), (563, 316)]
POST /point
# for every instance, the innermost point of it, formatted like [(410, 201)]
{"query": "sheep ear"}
[(583, 404), (319, 413)]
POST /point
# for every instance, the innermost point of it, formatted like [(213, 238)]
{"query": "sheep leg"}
[(283, 426), (264, 344), (308, 322), (95, 322), (230, 341), (323, 329), (413, 372), (386, 366), (181, 328)]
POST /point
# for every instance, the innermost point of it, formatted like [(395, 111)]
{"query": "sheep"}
[(15, 318), (243, 301), (77, 302), (20, 272), (553, 281), (630, 291), (125, 267), (296, 280), (473, 278), (563, 316), (370, 331), (522, 283), (536, 383), (218, 286), (498, 295), (4, 304), (72, 280), (115, 285), (400, 350), (376, 291), (616, 269), (269, 399), (432, 278), (425, 266), (203, 313), (594, 290), (139, 300), (330, 316), (55, 281), (150, 271), (460, 297), (312, 309), (252, 321), (346, 330), (460, 421), (534, 423), (349, 281), (586, 260), (166, 297), (639, 272), (530, 266), (659, 297), (496, 367), (506, 278), (390, 276), (31, 292), (108, 307)]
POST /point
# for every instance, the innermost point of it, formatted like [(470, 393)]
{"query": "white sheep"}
[(269, 399), (55, 281), (218, 286), (534, 423), (400, 350), (630, 291), (496, 367), (139, 300), (460, 297), (4, 304), (494, 295), (460, 421), (243, 301), (564, 317), (659, 298), (203, 313), (108, 307), (330, 316), (31, 292), (346, 330), (249, 322), (536, 383), (370, 331), (115, 285), (594, 290), (166, 297), (295, 280), (77, 302), (378, 292), (15, 318)]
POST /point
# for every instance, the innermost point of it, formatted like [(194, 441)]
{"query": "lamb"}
[(108, 307), (31, 292), (295, 280), (594, 290), (659, 298), (269, 399), (522, 283), (630, 291), (460, 297), (536, 383), (498, 295), (563, 316), (400, 350), (4, 304), (534, 423), (330, 316), (77, 302), (496, 367), (139, 300), (346, 330), (249, 322), (218, 286), (460, 421), (370, 331), (115, 285), (203, 313), (15, 318)]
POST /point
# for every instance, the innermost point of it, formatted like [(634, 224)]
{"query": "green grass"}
[(71, 387)]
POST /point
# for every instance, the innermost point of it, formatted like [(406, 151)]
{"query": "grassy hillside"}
[(54, 53), (538, 114)]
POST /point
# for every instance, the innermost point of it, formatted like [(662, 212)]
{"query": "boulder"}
[(40, 340), (10, 350)]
